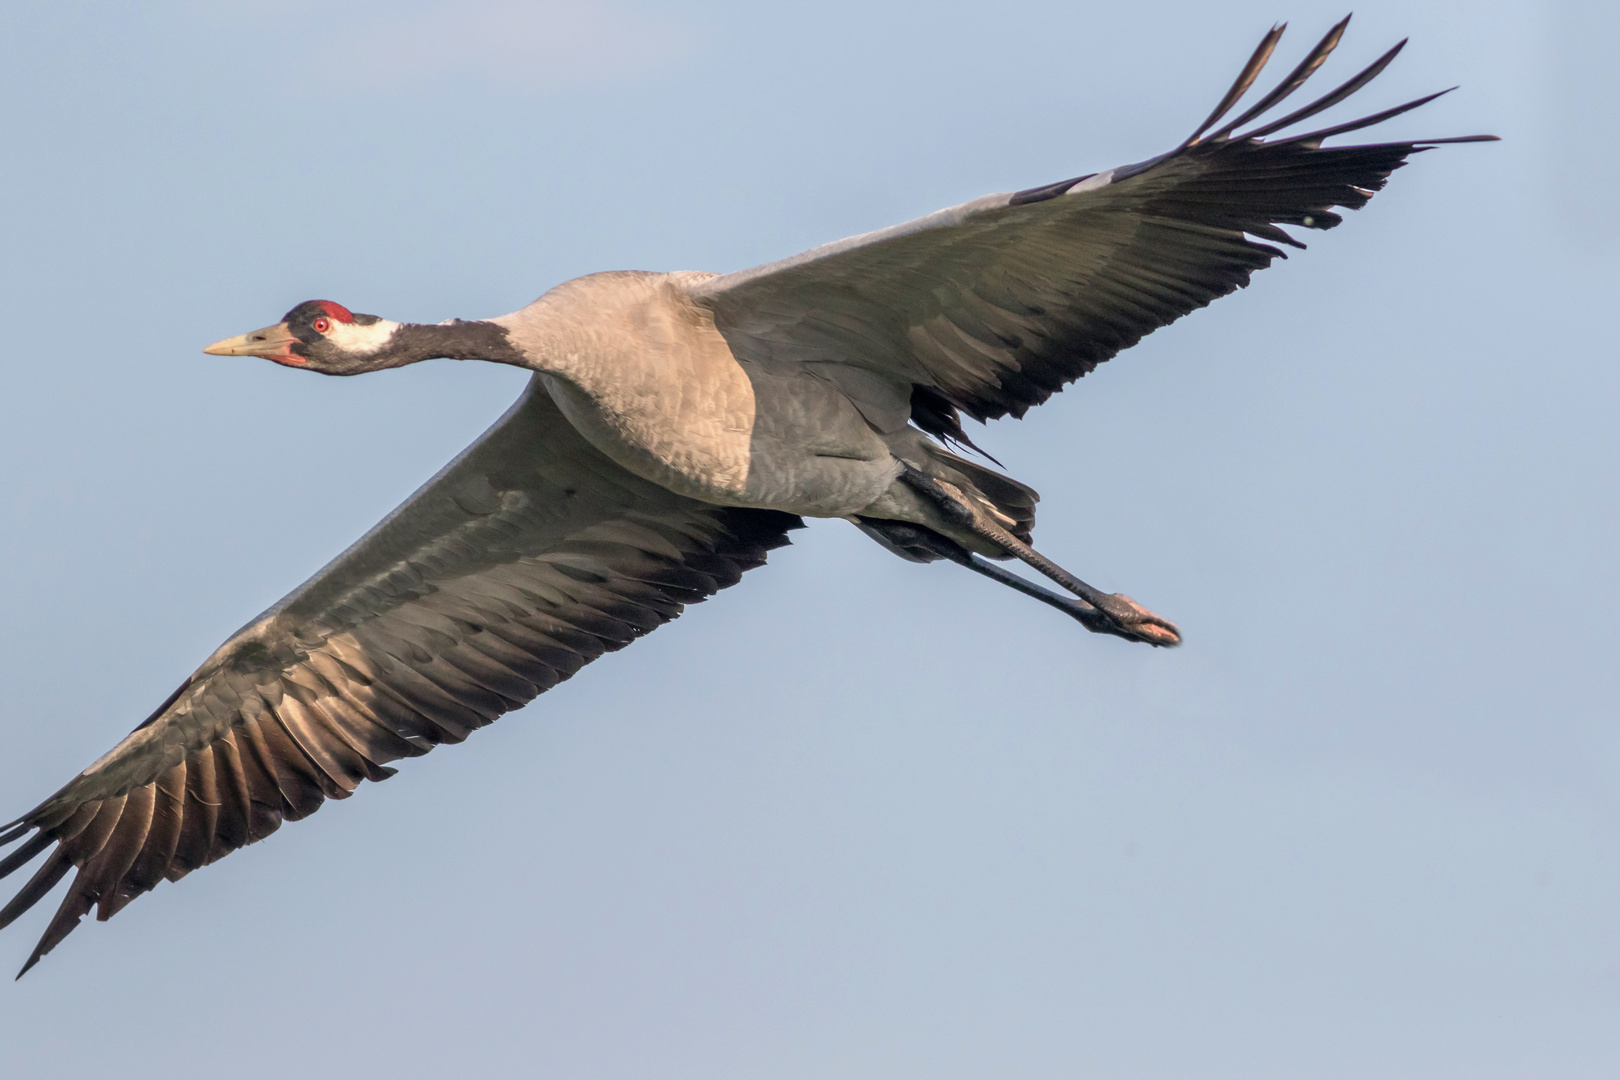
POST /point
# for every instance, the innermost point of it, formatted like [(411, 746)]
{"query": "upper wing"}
[(992, 306), (526, 558)]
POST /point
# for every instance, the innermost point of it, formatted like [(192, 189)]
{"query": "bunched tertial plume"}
[(676, 429)]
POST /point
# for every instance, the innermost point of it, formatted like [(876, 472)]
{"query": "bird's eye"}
[(322, 324)]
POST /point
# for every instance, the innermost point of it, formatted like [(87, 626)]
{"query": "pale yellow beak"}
[(272, 342)]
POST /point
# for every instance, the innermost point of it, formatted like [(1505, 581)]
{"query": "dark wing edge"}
[(1202, 237), (1164, 237), (301, 707)]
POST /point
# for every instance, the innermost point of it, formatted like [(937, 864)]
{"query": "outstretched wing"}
[(526, 558), (992, 306)]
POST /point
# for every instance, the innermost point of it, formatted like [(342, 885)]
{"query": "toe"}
[(1159, 633), (1142, 623)]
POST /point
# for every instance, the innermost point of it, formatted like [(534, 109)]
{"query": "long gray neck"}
[(454, 340)]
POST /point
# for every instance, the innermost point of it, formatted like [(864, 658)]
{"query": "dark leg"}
[(1088, 616), (1117, 613), (923, 545)]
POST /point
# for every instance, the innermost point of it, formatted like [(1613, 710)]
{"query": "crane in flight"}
[(676, 428)]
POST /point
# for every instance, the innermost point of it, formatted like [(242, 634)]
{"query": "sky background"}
[(856, 817)]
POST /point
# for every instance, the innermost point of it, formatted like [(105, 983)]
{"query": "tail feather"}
[(1015, 502)]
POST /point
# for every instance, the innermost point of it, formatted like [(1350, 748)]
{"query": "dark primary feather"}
[(528, 557), (1251, 71), (993, 306), (1295, 79)]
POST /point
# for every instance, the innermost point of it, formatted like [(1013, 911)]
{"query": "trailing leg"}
[(1128, 618), (918, 543)]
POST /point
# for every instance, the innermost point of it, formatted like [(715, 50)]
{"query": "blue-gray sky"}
[(854, 818)]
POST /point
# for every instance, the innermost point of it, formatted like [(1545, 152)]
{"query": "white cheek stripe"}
[(354, 338)]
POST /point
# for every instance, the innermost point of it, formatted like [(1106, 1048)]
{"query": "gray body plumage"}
[(638, 367), (676, 429)]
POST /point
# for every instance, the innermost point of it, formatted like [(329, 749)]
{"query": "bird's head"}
[(319, 335)]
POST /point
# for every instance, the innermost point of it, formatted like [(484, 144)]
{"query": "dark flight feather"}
[(496, 581), (989, 308)]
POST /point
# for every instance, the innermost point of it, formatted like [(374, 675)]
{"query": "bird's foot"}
[(1125, 618), (1118, 614)]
